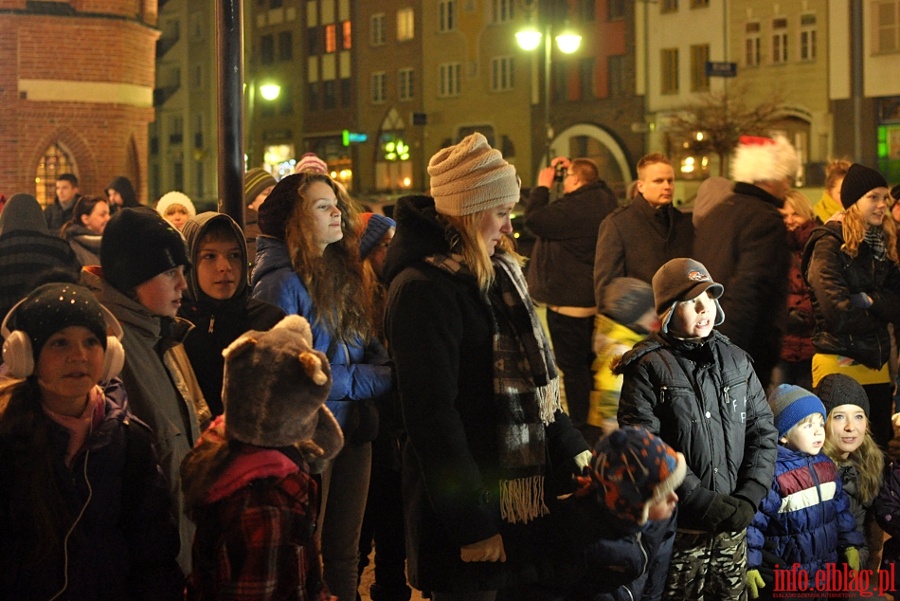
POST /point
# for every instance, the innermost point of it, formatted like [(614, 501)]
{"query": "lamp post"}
[(568, 42)]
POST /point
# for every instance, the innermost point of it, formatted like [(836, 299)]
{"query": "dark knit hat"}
[(626, 300), (137, 246), (255, 181), (373, 227), (858, 182), (839, 389), (679, 280), (633, 469), (275, 212), (53, 307), (791, 404)]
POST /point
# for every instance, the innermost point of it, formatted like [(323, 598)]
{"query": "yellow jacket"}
[(611, 341)]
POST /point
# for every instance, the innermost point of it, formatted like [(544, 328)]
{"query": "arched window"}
[(393, 165), (56, 161)]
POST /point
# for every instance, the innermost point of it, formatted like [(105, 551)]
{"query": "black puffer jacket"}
[(704, 400), (833, 276)]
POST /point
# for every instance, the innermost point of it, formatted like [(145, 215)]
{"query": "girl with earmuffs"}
[(84, 509)]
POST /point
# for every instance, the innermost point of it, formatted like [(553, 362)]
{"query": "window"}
[(699, 57), (615, 10), (887, 26), (779, 40), (616, 75), (586, 10), (699, 3), (379, 87), (502, 11), (586, 78), (449, 84), (751, 44), (330, 38), (312, 41), (376, 30), (178, 175), (345, 92), (285, 46), (668, 6), (197, 77), (560, 78), (446, 15), (329, 94), (669, 70), (406, 28), (808, 37), (267, 49), (346, 35), (405, 81), (55, 161), (312, 96), (501, 73), (286, 101)]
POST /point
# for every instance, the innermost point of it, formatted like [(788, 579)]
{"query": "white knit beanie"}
[(175, 198), (471, 177), (758, 159)]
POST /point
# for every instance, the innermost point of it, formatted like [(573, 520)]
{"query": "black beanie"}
[(137, 246), (840, 389), (276, 210), (858, 182), (54, 307)]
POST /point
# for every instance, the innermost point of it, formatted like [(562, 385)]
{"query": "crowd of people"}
[(192, 410)]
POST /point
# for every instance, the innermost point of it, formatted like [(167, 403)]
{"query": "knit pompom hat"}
[(758, 159), (679, 280), (255, 181), (791, 404), (858, 182), (470, 177), (839, 389), (310, 163), (137, 246), (373, 227), (175, 198), (633, 469), (626, 300)]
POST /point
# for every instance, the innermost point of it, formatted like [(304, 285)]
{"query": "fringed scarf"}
[(526, 388), (875, 239)]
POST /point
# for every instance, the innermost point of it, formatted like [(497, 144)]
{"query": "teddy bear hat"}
[(275, 390)]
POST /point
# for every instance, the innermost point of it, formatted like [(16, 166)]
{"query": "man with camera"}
[(560, 273)]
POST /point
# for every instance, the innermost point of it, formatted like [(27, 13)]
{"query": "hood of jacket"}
[(84, 236), (419, 234), (193, 232), (22, 212), (123, 186), (831, 228), (271, 255)]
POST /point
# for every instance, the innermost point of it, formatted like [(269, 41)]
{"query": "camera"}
[(560, 173)]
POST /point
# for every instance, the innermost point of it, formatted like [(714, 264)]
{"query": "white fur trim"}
[(772, 161)]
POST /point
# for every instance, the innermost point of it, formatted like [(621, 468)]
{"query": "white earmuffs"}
[(19, 357)]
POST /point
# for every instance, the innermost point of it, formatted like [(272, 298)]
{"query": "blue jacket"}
[(359, 369), (806, 516)]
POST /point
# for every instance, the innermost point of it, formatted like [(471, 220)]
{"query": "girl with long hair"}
[(307, 263), (84, 509), (854, 284), (84, 232)]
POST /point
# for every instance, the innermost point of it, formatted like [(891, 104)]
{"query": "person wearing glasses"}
[(560, 270)]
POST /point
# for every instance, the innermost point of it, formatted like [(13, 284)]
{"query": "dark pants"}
[(572, 339), (881, 407)]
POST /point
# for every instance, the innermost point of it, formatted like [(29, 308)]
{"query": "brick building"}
[(76, 91)]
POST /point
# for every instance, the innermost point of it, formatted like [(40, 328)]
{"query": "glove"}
[(754, 583), (860, 300), (852, 555), (722, 508), (741, 518), (583, 461), (489, 549)]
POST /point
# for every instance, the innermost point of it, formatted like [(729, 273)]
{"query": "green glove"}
[(852, 555), (755, 581)]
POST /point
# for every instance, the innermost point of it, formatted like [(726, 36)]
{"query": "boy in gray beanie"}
[(697, 391)]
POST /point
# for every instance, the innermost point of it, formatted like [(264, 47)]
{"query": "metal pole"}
[(229, 66), (856, 70), (548, 58)]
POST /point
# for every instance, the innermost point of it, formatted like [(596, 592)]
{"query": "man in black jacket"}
[(636, 240), (559, 274), (60, 210)]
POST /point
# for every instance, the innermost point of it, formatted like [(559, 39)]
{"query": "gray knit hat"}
[(679, 280), (840, 389), (470, 177), (791, 404), (625, 300)]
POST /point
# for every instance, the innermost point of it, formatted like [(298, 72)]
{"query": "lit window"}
[(330, 38), (406, 26), (346, 36)]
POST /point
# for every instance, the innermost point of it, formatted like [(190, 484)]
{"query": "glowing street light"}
[(270, 91)]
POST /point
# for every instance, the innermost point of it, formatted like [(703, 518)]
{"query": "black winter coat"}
[(833, 275), (704, 400), (744, 245), (561, 268), (439, 329), (636, 240)]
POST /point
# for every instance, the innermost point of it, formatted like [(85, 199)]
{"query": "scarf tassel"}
[(522, 499)]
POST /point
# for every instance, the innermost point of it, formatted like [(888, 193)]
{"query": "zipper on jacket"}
[(212, 322)]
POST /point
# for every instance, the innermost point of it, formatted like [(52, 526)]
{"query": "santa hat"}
[(758, 159)]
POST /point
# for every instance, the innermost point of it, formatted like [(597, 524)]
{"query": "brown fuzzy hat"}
[(275, 390)]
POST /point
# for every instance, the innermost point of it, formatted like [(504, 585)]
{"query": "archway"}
[(55, 160), (590, 141)]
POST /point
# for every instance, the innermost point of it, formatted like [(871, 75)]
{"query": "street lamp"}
[(568, 42)]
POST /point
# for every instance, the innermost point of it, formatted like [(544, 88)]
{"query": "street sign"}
[(721, 69), (351, 137)]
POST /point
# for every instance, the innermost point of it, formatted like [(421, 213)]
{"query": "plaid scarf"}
[(526, 387)]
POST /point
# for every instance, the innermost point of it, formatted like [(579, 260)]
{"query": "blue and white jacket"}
[(359, 369), (806, 516)]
